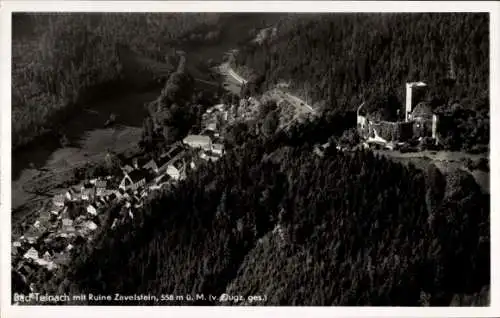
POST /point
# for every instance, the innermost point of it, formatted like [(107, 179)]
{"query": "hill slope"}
[(341, 60), (300, 229)]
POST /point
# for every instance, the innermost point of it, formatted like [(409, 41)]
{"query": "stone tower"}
[(414, 94)]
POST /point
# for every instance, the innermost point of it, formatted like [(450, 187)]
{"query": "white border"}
[(7, 7)]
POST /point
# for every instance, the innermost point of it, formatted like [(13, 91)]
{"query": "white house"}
[(198, 141), (32, 253), (212, 126), (163, 164)]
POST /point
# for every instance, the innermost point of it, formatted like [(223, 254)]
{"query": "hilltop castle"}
[(419, 120)]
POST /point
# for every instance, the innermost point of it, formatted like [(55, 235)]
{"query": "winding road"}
[(302, 108)]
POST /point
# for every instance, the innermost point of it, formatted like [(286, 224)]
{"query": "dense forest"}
[(341, 60), (272, 218), (61, 60)]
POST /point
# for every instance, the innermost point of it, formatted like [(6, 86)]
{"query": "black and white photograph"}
[(248, 159)]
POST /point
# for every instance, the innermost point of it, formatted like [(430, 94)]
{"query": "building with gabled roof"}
[(133, 180), (174, 150), (163, 163), (32, 253), (198, 141), (151, 164), (163, 178), (177, 169)]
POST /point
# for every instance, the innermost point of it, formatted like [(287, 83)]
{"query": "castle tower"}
[(414, 94), (435, 122)]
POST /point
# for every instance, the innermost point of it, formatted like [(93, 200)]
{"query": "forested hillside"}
[(340, 60), (61, 60), (272, 218)]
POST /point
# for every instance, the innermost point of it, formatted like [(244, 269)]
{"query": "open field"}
[(446, 161), (32, 184)]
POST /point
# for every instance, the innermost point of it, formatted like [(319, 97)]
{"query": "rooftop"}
[(200, 139), (174, 151), (137, 175), (150, 164)]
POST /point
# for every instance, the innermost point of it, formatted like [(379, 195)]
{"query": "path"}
[(298, 103), (226, 69)]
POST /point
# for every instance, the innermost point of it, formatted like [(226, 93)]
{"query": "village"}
[(72, 216)]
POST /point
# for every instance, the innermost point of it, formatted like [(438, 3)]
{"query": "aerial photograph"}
[(250, 159)]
